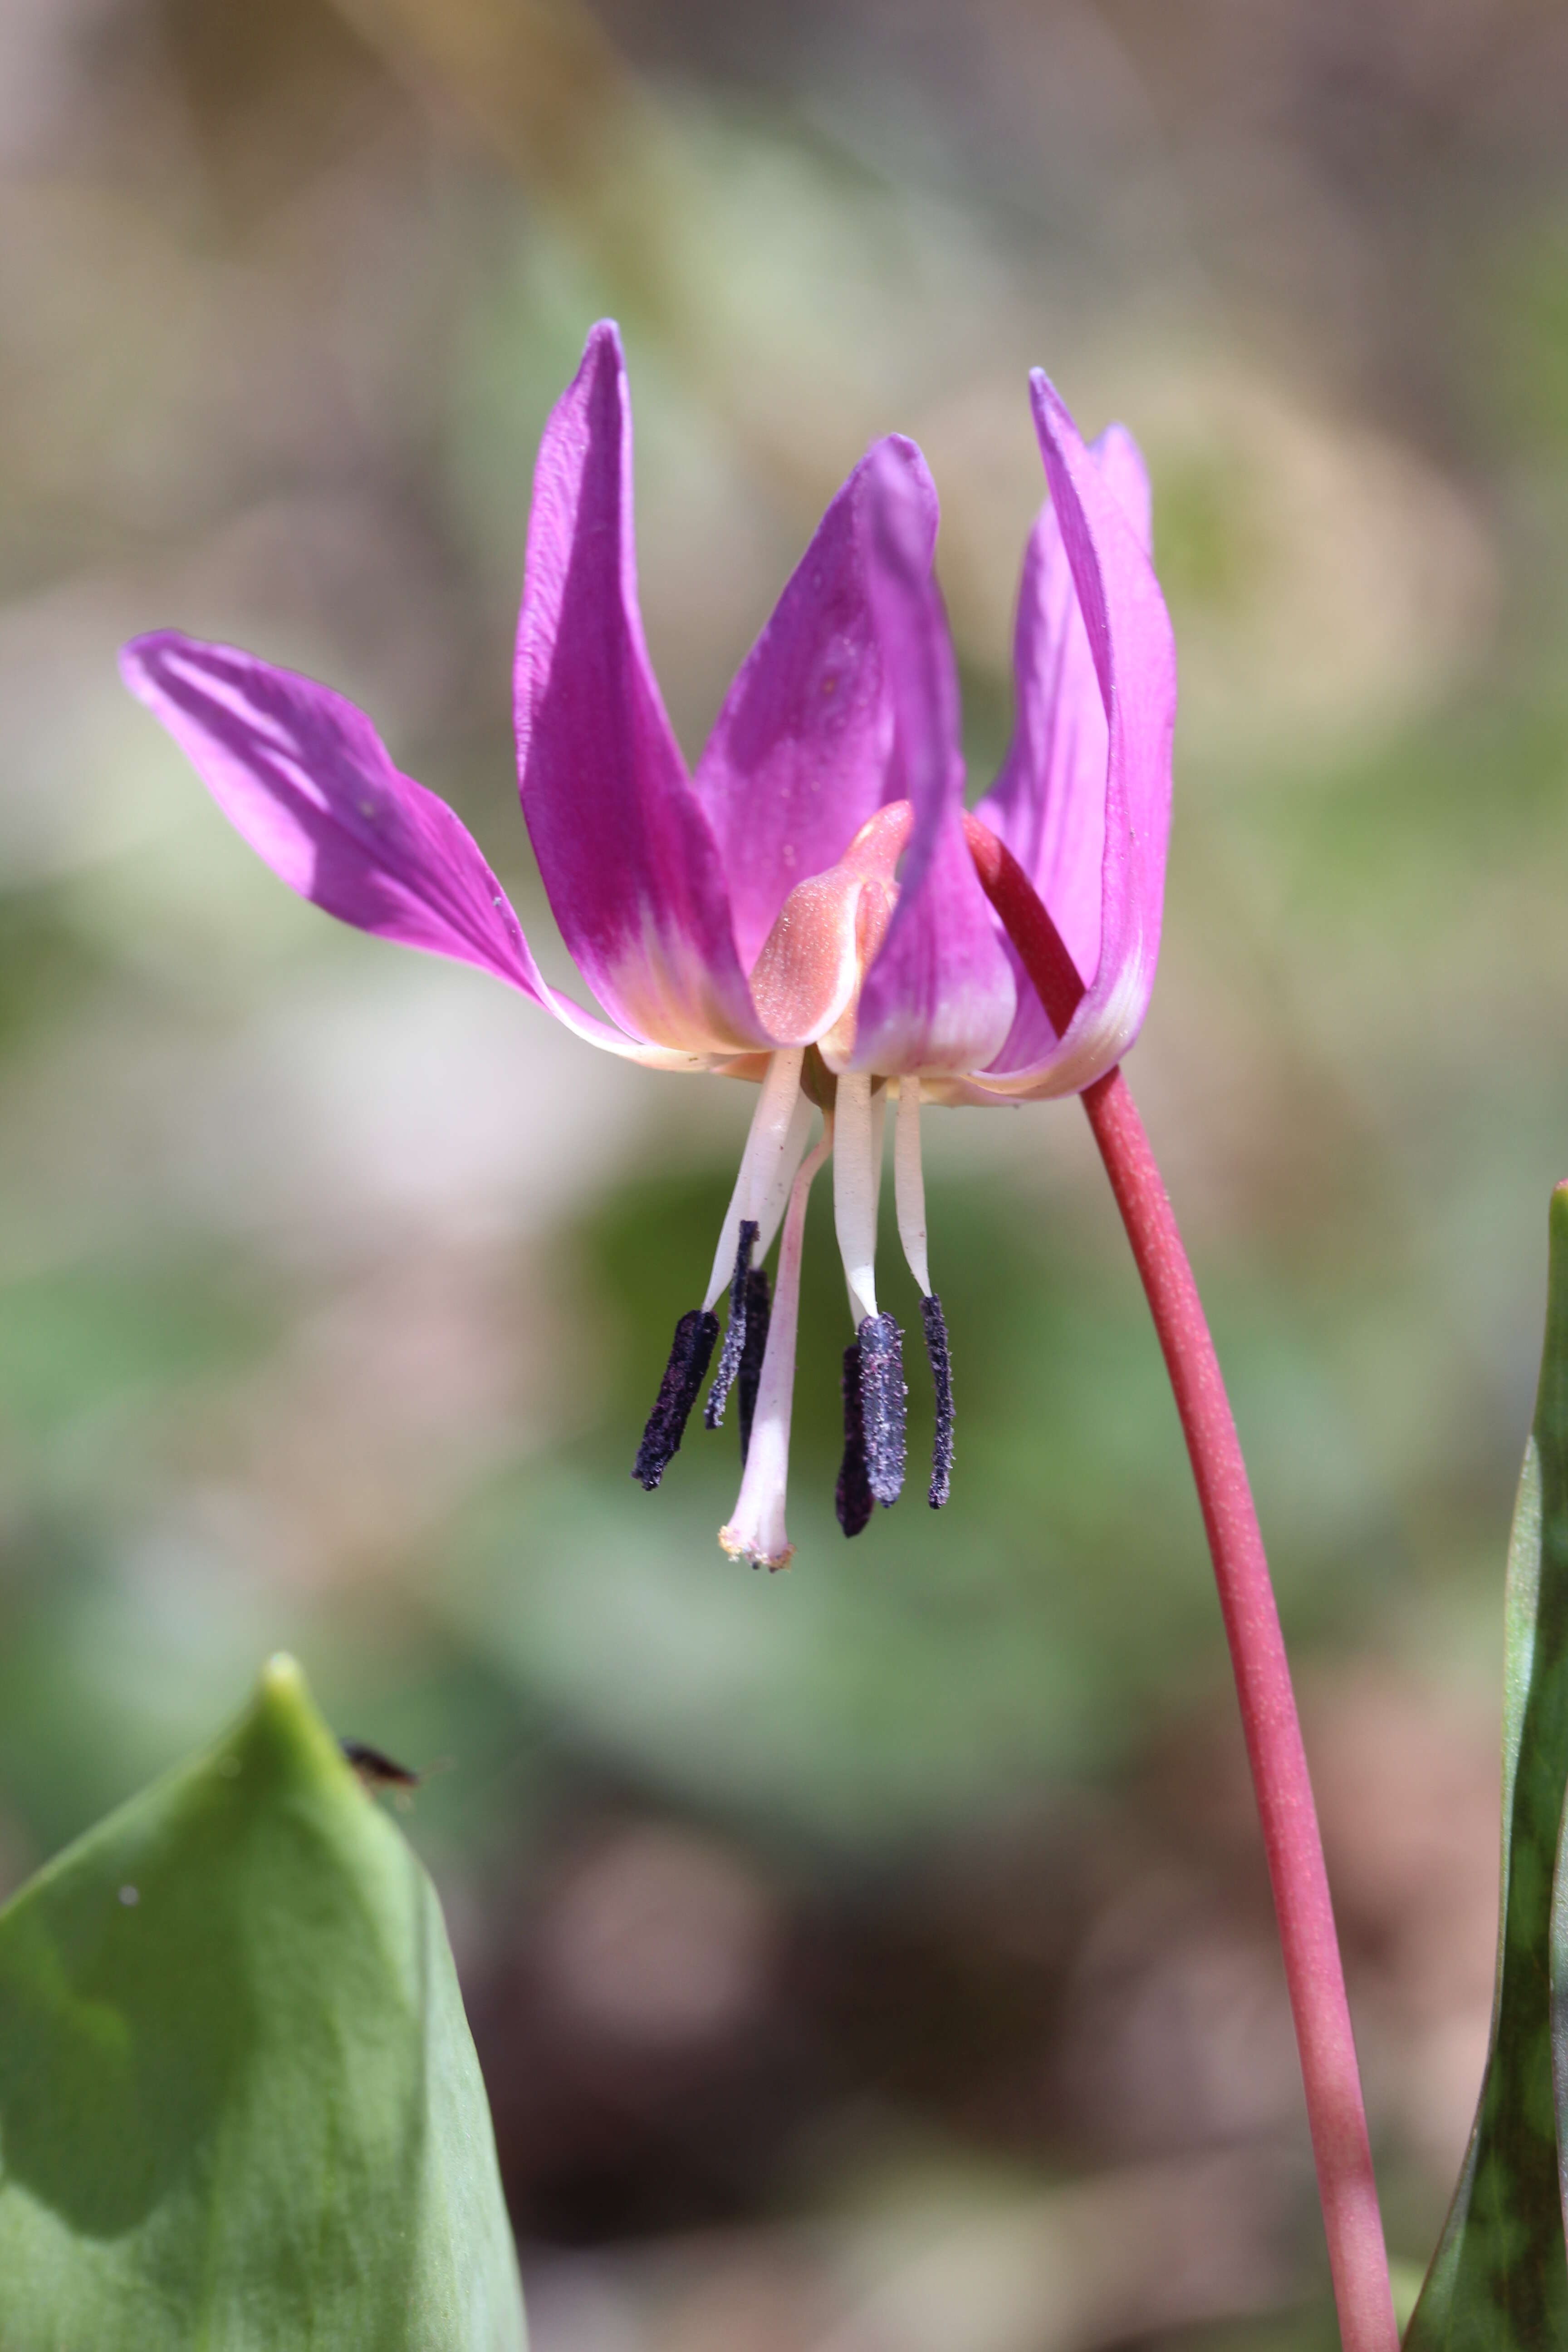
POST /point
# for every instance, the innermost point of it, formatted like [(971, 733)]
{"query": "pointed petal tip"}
[(1053, 420), (1115, 450), (901, 504), (1118, 440), (601, 343), (626, 853), (139, 656), (897, 452)]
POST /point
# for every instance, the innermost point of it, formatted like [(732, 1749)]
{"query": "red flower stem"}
[(1346, 2185)]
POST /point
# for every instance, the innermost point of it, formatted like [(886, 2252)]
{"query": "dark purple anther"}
[(941, 1381), (759, 1315), (852, 1496), (689, 1357), (734, 1346), (883, 1394)]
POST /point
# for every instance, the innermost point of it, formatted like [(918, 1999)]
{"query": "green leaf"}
[(1499, 2281), (240, 2105)]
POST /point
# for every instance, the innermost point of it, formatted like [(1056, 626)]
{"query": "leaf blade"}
[(239, 2104), (1498, 2280)]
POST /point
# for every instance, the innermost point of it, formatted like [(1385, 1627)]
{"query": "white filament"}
[(879, 1129), (774, 1190), (768, 1164), (757, 1529), (856, 1181), (909, 1183)]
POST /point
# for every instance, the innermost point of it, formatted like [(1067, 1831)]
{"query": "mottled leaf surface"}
[(240, 2105), (1499, 2282)]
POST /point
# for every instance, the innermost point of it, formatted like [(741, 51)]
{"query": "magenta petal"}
[(1120, 461), (798, 760), (1084, 802), (940, 994), (624, 844), (306, 779)]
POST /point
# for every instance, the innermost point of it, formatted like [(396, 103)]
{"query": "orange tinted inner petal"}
[(811, 964)]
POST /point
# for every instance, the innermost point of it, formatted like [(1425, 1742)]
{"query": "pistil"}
[(758, 1318), (757, 1530)]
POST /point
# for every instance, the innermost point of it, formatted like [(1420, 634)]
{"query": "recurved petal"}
[(1048, 803), (304, 776), (940, 994), (625, 846), (1099, 501), (798, 759)]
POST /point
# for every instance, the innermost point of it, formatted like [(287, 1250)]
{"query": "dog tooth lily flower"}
[(803, 910)]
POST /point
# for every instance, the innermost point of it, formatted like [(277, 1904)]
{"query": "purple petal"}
[(1120, 461), (940, 995), (799, 758), (1084, 806), (624, 844), (1048, 803), (306, 779)]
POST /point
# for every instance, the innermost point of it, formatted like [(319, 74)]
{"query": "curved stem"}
[(1313, 1973), (1283, 1788)]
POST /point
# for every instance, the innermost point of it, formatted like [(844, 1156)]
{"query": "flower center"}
[(806, 984)]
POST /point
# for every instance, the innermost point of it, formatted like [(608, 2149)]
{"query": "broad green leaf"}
[(1499, 2281), (240, 2105)]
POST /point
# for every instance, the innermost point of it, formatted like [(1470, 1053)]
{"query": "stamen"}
[(908, 1182), (689, 1359), (910, 1197), (878, 1131), (941, 1381), (756, 1532), (777, 1138), (882, 1396), (734, 1346), (856, 1181), (776, 1180), (852, 1496), (759, 1315)]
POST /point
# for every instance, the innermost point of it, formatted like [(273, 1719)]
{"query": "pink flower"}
[(803, 911)]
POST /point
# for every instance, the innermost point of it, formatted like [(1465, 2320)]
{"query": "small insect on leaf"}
[(379, 1771)]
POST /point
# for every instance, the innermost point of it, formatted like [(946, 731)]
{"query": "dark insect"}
[(377, 1770)]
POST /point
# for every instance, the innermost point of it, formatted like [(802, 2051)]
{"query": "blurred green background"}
[(877, 1955)]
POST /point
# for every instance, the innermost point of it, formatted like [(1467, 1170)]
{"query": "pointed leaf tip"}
[(282, 1680)]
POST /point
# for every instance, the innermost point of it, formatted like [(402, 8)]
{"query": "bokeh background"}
[(877, 1956)]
